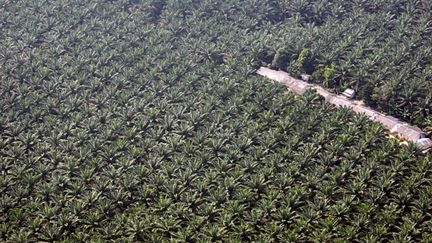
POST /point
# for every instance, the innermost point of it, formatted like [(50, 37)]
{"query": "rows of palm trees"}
[(122, 126), (380, 49)]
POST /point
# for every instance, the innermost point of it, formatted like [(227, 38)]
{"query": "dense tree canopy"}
[(138, 120), (382, 49)]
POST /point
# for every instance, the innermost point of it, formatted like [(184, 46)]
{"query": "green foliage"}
[(281, 59), (140, 121), (303, 64), (318, 74), (366, 92), (329, 74), (261, 57), (351, 36)]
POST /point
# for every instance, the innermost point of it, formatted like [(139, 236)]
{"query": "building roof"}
[(408, 132), (366, 110), (299, 87), (339, 101), (324, 93), (279, 76), (349, 93), (306, 77), (394, 125), (424, 143), (388, 122)]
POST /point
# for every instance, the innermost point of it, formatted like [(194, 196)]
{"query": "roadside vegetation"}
[(143, 121), (381, 49)]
